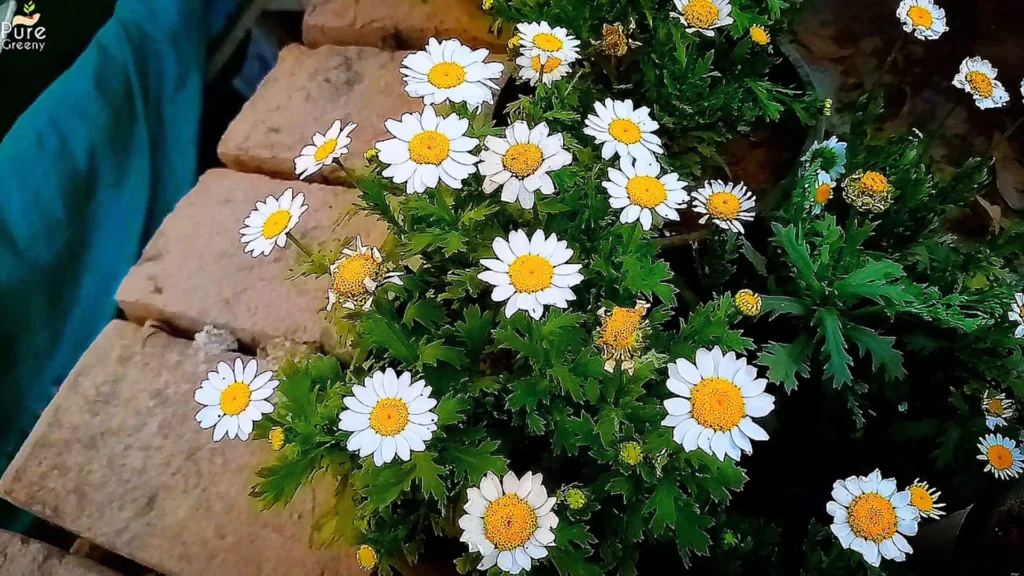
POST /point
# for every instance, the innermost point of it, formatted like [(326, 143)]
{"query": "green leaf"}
[(432, 352), (570, 555), (786, 361), (384, 331), (472, 462), (784, 305), (449, 410), (799, 256), (428, 474), (663, 503), (382, 485), (881, 349), (690, 535), (837, 361), (429, 313), (644, 276), (476, 328), (759, 262), (871, 280), (281, 480)]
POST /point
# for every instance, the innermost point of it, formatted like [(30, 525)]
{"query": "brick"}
[(23, 556), (304, 93), (402, 24), (194, 272), (118, 458)]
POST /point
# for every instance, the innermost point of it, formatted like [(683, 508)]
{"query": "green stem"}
[(350, 175), (298, 244), (892, 55), (1014, 127)]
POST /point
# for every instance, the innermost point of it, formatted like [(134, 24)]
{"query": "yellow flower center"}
[(700, 13), (631, 453), (523, 159), (980, 83), (759, 35), (235, 398), (446, 75), (646, 191), (920, 16), (429, 147), (748, 302), (620, 328), (613, 41), (389, 417), (547, 41), (724, 205), (530, 273), (549, 66), (366, 557), (509, 522), (350, 274), (717, 403), (995, 406), (921, 499), (275, 224), (324, 150), (823, 193), (625, 130), (874, 183), (1000, 457), (276, 437), (872, 517)]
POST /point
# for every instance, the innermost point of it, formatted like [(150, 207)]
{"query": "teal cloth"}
[(86, 176)]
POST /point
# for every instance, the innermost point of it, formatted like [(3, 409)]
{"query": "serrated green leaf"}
[(799, 256), (786, 361), (778, 305), (428, 313), (837, 360), (663, 503), (690, 535), (475, 328), (430, 353), (472, 462), (643, 275), (428, 474), (384, 331), (880, 348), (282, 479), (449, 410)]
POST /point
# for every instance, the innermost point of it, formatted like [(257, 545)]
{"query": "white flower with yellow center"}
[(325, 149), (824, 188), (727, 205), (872, 518), (621, 335), (388, 416), (510, 522), (520, 162), (234, 398), (541, 40), (637, 188), (355, 276), (830, 156), (997, 409), (714, 402), (270, 222), (451, 71), (922, 17), (703, 16), (624, 131), (925, 499), (1001, 455), (977, 77), (532, 71), (426, 148), (531, 273), (1017, 314)]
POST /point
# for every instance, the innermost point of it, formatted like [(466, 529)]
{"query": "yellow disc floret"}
[(1000, 457), (549, 66), (429, 147), (646, 191), (276, 438), (724, 205), (700, 13), (874, 182), (446, 75), (748, 302), (717, 403), (349, 282), (621, 328), (631, 453), (276, 223), (509, 522), (326, 149), (530, 273), (921, 499), (366, 556), (759, 35), (872, 517), (547, 41), (523, 159), (823, 193), (235, 398), (625, 130), (980, 83), (920, 16), (389, 417)]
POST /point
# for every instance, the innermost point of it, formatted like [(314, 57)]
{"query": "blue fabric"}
[(86, 176)]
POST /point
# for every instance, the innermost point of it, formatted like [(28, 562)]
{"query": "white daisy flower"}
[(724, 204), (922, 17), (925, 499), (234, 399), (831, 156), (325, 149), (714, 402), (510, 522), (872, 518), (355, 276), (426, 148), (822, 192), (997, 409), (270, 222), (451, 71), (532, 71), (703, 16), (388, 416), (977, 77), (531, 273), (541, 40), (1002, 456), (520, 162), (1017, 314), (637, 188), (623, 130)]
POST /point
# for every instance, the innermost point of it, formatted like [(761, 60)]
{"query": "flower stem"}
[(1014, 127), (349, 173), (892, 55), (298, 244)]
